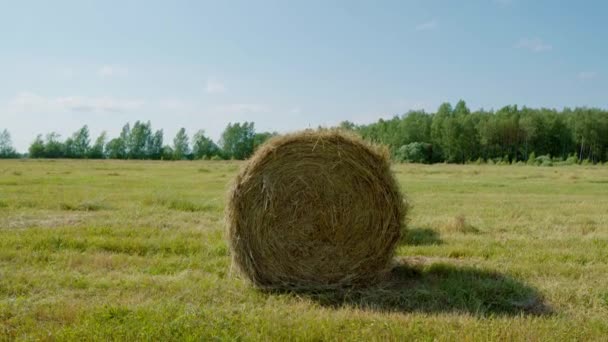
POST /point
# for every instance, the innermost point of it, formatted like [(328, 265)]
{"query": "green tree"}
[(261, 138), (36, 149), (125, 142), (81, 143), (69, 150), (203, 147), (140, 140), (416, 126), (181, 149), (115, 149), (167, 153), (6, 145), (467, 140), (237, 140), (155, 150), (439, 137), (53, 147), (97, 150), (529, 127)]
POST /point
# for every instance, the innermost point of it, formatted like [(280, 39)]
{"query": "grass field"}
[(135, 250)]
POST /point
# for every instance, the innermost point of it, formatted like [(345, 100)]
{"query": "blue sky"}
[(288, 65)]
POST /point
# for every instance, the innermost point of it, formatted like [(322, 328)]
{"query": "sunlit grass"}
[(135, 250)]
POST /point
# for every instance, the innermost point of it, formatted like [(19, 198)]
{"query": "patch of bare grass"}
[(180, 204), (46, 221), (459, 224), (83, 206), (589, 226), (185, 205)]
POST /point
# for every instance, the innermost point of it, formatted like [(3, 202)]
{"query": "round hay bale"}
[(316, 209)]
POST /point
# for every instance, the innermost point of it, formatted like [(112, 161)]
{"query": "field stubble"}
[(135, 249)]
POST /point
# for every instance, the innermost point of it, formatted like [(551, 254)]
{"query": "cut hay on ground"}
[(317, 209)]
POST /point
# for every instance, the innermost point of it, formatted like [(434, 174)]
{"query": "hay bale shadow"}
[(439, 288), (421, 237)]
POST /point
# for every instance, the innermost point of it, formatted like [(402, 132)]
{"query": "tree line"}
[(511, 134), (453, 134), (140, 141)]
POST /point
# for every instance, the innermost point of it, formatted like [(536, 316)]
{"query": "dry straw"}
[(315, 210)]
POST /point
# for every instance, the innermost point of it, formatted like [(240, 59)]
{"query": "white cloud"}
[(108, 71), (586, 75), (427, 26), (533, 44), (214, 87), (100, 104), (30, 102)]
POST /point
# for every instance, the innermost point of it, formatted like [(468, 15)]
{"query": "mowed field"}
[(135, 250)]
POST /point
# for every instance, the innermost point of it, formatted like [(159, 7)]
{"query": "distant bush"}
[(571, 160), (503, 161), (544, 161), (416, 152), (531, 159)]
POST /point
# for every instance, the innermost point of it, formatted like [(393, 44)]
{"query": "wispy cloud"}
[(108, 71), (214, 87), (428, 25), (533, 44), (100, 104), (586, 75), (30, 102)]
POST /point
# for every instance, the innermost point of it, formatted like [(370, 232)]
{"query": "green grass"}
[(134, 250)]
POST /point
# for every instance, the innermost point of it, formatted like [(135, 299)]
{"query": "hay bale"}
[(316, 209)]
